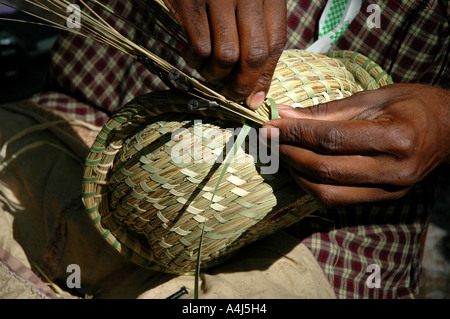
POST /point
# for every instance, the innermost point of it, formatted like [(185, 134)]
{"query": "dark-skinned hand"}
[(236, 42), (372, 146)]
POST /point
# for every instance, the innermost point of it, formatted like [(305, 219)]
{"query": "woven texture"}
[(151, 208), (303, 79)]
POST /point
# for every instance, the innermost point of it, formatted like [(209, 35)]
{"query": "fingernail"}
[(256, 100)]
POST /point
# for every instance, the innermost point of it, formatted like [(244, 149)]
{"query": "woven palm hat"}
[(150, 183)]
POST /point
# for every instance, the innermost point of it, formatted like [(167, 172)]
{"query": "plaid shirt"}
[(92, 81)]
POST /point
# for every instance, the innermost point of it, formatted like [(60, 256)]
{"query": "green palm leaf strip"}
[(228, 159), (273, 108)]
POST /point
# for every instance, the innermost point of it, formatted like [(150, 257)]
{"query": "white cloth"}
[(326, 38)]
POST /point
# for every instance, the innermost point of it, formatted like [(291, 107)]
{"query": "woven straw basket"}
[(152, 208)]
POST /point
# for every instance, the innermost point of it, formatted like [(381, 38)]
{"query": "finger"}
[(254, 48), (350, 170), (362, 105), (275, 15), (338, 195), (222, 19), (194, 22), (341, 137)]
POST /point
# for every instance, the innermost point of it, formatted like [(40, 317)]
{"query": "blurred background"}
[(24, 54), (24, 59)]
